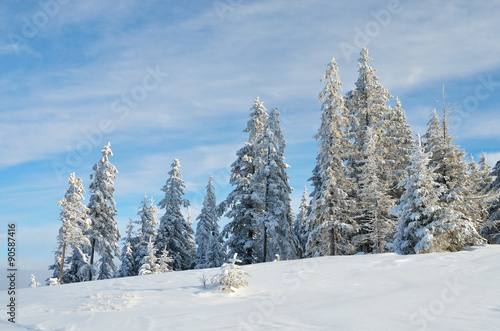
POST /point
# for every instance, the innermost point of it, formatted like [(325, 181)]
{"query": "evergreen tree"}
[(368, 110), (230, 277), (127, 262), (419, 210), (209, 252), (74, 222), (104, 234), (164, 262), (398, 151), (491, 230), (175, 232), (80, 267), (477, 192), (148, 213), (451, 169), (149, 265), (272, 192), (300, 225), (374, 204), (330, 224), (243, 231), (34, 283)]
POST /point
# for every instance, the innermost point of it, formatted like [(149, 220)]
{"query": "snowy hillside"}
[(437, 291)]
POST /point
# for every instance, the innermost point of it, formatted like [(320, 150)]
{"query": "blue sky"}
[(76, 75)]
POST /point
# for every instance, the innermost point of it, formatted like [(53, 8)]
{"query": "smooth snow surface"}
[(438, 291)]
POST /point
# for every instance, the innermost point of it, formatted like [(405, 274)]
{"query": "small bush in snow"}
[(204, 281), (230, 278), (53, 281), (34, 283)]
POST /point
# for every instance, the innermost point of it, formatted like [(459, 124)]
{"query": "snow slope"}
[(438, 291)]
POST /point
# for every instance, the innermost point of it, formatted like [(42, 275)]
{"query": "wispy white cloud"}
[(275, 50)]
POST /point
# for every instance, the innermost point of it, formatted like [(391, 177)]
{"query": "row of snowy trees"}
[(377, 189), (154, 247)]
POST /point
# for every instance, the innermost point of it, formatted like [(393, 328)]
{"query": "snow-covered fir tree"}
[(148, 263), (164, 262), (419, 210), (209, 252), (130, 257), (491, 230), (71, 234), (272, 191), (374, 202), (448, 161), (80, 267), (127, 262), (103, 233), (368, 108), (148, 213), (243, 231), (175, 232), (477, 189), (398, 151), (149, 220), (329, 222), (230, 279), (34, 283), (300, 224)]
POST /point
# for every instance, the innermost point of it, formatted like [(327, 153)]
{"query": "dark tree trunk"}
[(91, 259), (62, 264)]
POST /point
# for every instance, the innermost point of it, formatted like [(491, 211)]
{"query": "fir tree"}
[(367, 108), (243, 231), (131, 255), (477, 185), (451, 169), (209, 252), (272, 192), (127, 262), (34, 283), (175, 232), (230, 278), (164, 262), (80, 267), (330, 223), (398, 151), (148, 213), (104, 234), (491, 230), (374, 203), (300, 225), (367, 105), (74, 222), (149, 265), (419, 210)]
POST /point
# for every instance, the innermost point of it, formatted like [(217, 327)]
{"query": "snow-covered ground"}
[(438, 291)]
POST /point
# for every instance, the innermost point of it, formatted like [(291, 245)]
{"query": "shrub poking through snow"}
[(53, 281), (230, 278), (34, 283)]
